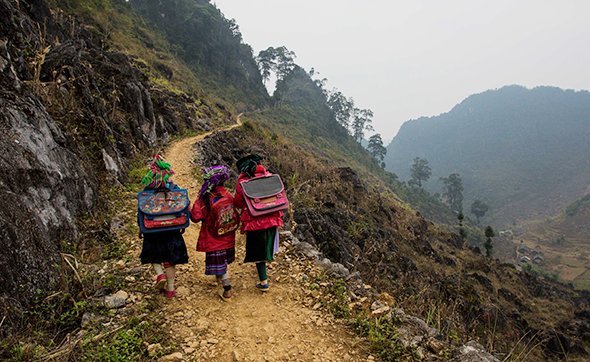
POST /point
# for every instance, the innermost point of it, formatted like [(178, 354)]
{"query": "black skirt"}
[(164, 247), (260, 245)]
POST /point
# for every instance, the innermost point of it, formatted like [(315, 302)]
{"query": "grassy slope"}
[(451, 283), (301, 114), (129, 34), (210, 45)]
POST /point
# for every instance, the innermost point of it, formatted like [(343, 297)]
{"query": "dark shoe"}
[(262, 287), (225, 295)]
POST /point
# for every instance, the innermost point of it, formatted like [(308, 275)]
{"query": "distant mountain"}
[(525, 152)]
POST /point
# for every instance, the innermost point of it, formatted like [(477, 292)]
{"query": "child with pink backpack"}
[(261, 197), (217, 238)]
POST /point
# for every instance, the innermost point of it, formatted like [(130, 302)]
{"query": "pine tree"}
[(453, 191), (489, 232), (376, 148), (420, 171)]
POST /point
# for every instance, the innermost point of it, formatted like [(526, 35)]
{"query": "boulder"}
[(307, 250), (474, 352), (116, 300)]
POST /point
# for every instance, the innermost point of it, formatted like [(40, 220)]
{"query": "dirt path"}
[(252, 326)]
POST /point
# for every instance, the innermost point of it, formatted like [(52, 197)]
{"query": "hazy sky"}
[(412, 58)]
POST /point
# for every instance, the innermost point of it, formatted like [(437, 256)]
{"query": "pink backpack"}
[(265, 194)]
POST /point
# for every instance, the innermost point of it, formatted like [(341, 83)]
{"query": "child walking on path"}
[(261, 231), (163, 249), (217, 238)]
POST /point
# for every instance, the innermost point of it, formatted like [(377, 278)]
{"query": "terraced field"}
[(565, 242)]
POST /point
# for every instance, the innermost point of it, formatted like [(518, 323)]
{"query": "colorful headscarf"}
[(159, 172), (247, 165), (213, 176)]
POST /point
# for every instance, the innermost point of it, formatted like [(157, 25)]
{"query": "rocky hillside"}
[(525, 152), (74, 113), (351, 212), (427, 269)]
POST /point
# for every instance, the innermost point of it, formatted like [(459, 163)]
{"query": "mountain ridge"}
[(512, 135)]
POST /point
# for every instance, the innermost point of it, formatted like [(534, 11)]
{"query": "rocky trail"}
[(293, 321), (279, 325)]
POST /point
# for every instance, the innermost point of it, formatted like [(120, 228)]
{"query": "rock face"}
[(43, 188), (72, 113)]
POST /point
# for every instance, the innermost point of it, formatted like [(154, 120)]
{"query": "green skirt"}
[(260, 245)]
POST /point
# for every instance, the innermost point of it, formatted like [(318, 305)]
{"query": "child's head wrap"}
[(213, 176), (159, 172), (247, 165)]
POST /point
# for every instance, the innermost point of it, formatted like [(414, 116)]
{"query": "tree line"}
[(356, 121)]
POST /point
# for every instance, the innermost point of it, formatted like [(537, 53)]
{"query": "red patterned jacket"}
[(207, 241)]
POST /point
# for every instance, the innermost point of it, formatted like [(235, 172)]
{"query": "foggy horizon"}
[(420, 59)]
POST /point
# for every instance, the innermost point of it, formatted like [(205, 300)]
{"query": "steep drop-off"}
[(354, 218)]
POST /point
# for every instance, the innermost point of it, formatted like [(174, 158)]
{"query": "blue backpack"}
[(163, 209)]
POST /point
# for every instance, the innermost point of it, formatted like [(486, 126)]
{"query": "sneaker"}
[(262, 287), (170, 294), (160, 281)]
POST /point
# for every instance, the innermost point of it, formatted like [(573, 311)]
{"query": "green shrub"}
[(383, 338), (125, 345)]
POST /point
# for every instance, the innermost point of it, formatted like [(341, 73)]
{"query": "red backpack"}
[(225, 217)]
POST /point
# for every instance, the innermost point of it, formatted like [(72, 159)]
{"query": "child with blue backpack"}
[(163, 249), (217, 237)]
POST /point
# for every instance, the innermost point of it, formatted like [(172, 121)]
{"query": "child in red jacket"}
[(217, 237), (261, 231)]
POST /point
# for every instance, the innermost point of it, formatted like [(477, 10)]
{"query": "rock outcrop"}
[(73, 113)]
